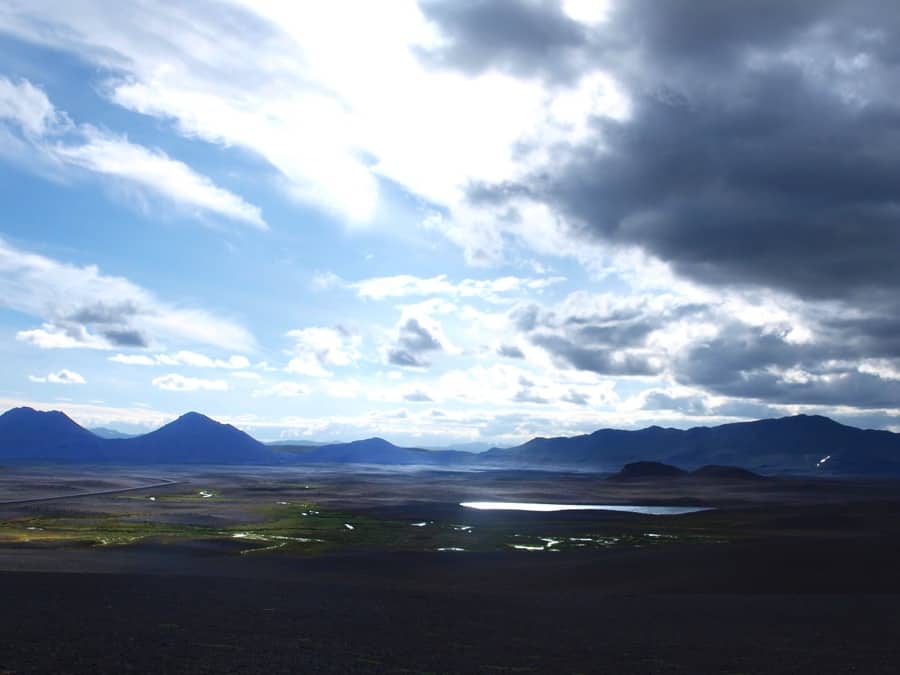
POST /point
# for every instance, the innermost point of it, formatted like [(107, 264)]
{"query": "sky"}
[(451, 221)]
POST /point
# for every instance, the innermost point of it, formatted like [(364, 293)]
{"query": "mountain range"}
[(801, 443), (798, 443)]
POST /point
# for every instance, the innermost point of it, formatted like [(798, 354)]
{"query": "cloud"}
[(153, 170), (323, 281), (576, 397), (50, 336), (753, 363), (83, 308), (490, 290), (605, 334), (134, 359), (510, 352), (49, 134), (63, 376), (282, 390), (417, 396), (295, 87), (124, 338), (523, 37), (317, 347), (758, 148), (29, 107), (182, 358), (176, 382), (526, 395), (413, 342), (307, 364), (690, 404)]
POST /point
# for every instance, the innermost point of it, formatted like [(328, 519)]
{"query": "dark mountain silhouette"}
[(643, 470), (28, 434), (193, 439), (375, 451), (659, 470), (801, 443)]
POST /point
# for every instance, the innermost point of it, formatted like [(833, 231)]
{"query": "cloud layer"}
[(83, 308)]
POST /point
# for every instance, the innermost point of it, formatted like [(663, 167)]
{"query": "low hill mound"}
[(645, 470)]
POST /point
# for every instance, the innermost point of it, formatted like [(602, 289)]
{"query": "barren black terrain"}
[(303, 569)]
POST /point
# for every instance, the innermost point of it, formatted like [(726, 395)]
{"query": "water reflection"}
[(535, 506)]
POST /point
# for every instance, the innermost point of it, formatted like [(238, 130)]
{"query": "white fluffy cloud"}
[(492, 290), (182, 358), (316, 347), (176, 382), (49, 134), (64, 376)]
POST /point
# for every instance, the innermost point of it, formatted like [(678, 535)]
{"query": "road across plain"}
[(93, 493)]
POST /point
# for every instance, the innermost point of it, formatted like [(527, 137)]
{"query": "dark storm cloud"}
[(761, 152), (698, 406), (523, 37), (608, 342), (836, 363), (763, 147), (689, 405), (780, 185), (413, 341), (599, 360), (746, 362)]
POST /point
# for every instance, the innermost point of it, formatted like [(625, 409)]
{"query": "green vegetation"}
[(303, 528)]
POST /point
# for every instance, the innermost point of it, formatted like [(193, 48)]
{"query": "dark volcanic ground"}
[(815, 608), (810, 585)]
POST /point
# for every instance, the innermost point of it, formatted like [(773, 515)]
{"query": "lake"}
[(536, 506)]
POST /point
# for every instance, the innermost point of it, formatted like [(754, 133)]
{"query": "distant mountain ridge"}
[(798, 443), (375, 451), (802, 443)]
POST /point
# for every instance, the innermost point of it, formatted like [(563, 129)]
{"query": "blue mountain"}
[(193, 439), (36, 435), (375, 451), (801, 443), (33, 435)]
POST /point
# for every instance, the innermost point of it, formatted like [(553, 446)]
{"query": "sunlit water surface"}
[(534, 506)]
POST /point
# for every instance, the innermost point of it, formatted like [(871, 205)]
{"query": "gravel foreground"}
[(829, 605)]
